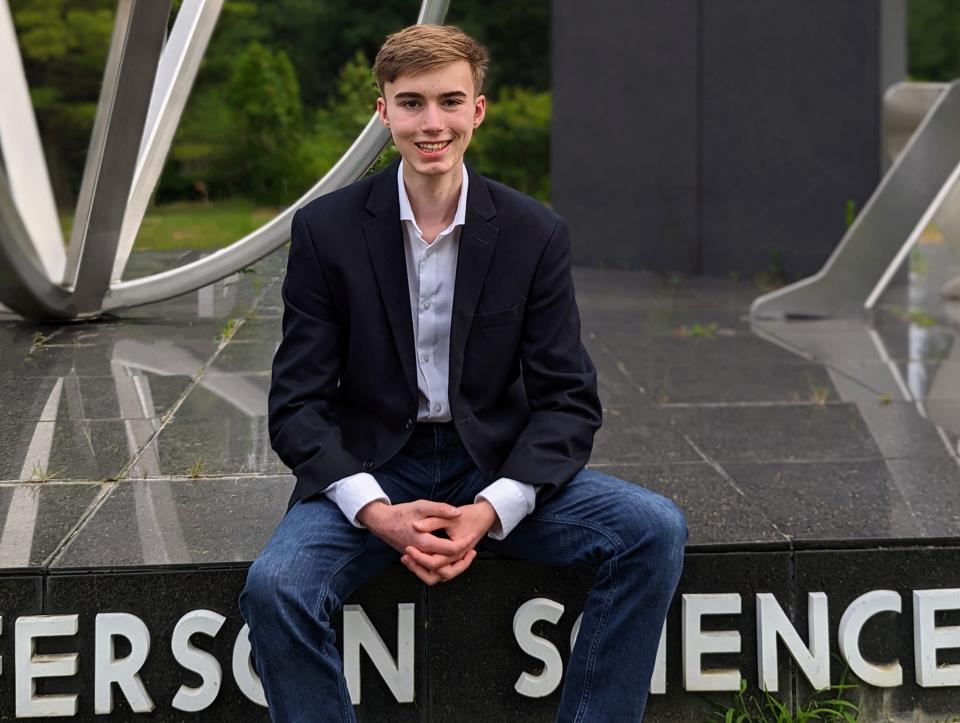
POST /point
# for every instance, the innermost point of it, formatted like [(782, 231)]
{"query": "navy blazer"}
[(343, 397)]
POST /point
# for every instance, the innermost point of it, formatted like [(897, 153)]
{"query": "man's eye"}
[(410, 103), (452, 101)]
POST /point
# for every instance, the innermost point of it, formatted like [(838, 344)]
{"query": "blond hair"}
[(423, 47)]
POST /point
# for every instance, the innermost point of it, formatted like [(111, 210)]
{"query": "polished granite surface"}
[(141, 439)]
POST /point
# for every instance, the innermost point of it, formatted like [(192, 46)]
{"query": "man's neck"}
[(433, 199)]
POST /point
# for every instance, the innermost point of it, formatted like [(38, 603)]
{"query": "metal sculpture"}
[(148, 75), (913, 191)]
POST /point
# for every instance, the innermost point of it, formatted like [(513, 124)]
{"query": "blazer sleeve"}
[(558, 376), (304, 409)]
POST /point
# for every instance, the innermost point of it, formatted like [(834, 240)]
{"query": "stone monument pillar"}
[(714, 136)]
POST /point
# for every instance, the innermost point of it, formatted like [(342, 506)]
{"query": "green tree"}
[(264, 99), (513, 143), (934, 39), (337, 124), (64, 49)]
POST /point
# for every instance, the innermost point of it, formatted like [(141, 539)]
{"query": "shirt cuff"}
[(511, 500), (351, 494)]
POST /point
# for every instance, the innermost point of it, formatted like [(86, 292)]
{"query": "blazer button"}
[(408, 424), (367, 465)]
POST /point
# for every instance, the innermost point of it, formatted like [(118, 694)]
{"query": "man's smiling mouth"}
[(430, 147)]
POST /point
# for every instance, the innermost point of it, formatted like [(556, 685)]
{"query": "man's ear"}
[(382, 112), (479, 110)]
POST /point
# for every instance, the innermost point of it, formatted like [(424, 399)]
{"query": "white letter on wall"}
[(30, 666), (125, 672), (773, 622), (851, 624), (539, 608), (697, 642), (928, 638), (199, 661), (247, 679), (359, 631)]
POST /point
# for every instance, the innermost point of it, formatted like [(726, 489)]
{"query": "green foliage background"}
[(283, 90), (285, 87), (934, 39)]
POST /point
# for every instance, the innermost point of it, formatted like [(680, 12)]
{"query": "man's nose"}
[(431, 118)]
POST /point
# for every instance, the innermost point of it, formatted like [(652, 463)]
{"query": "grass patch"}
[(697, 331), (189, 225), (827, 705), (196, 469), (914, 316)]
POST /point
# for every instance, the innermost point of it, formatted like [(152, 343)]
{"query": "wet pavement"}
[(141, 439)]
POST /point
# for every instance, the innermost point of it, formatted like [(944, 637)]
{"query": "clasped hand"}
[(410, 528)]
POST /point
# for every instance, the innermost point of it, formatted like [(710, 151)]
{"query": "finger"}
[(431, 562), (433, 545), (451, 571), (429, 577), (429, 508), (432, 524)]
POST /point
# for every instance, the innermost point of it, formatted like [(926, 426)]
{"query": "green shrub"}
[(513, 143)]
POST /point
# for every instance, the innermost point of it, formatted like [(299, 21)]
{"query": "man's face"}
[(432, 116)]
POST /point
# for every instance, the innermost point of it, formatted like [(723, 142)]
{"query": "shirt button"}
[(426, 305), (425, 358), (408, 424), (428, 252), (438, 408)]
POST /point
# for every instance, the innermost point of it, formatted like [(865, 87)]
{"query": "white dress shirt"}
[(431, 274)]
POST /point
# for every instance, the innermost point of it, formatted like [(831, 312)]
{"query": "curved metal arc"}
[(272, 235), (23, 156), (24, 285), (176, 73), (254, 246), (135, 50)]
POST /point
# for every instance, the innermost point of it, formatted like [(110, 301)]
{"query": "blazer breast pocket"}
[(490, 319)]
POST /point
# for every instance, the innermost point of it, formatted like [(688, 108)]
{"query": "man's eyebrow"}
[(410, 94)]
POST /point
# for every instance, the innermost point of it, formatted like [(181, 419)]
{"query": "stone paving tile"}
[(849, 500), (180, 521), (36, 517), (777, 433), (716, 511), (70, 450)]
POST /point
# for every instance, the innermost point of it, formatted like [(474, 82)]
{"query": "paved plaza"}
[(803, 453)]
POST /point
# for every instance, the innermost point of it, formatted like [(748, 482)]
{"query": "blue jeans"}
[(631, 538)]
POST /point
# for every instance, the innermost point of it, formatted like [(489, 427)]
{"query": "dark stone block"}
[(629, 193), (845, 575), (747, 128), (475, 660), (745, 573), (19, 595), (160, 598)]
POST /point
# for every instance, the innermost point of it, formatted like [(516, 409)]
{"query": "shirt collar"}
[(406, 210)]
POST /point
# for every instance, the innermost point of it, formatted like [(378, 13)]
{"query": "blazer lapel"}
[(477, 242), (384, 236)]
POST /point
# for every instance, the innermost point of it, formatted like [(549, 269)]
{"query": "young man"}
[(431, 380)]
